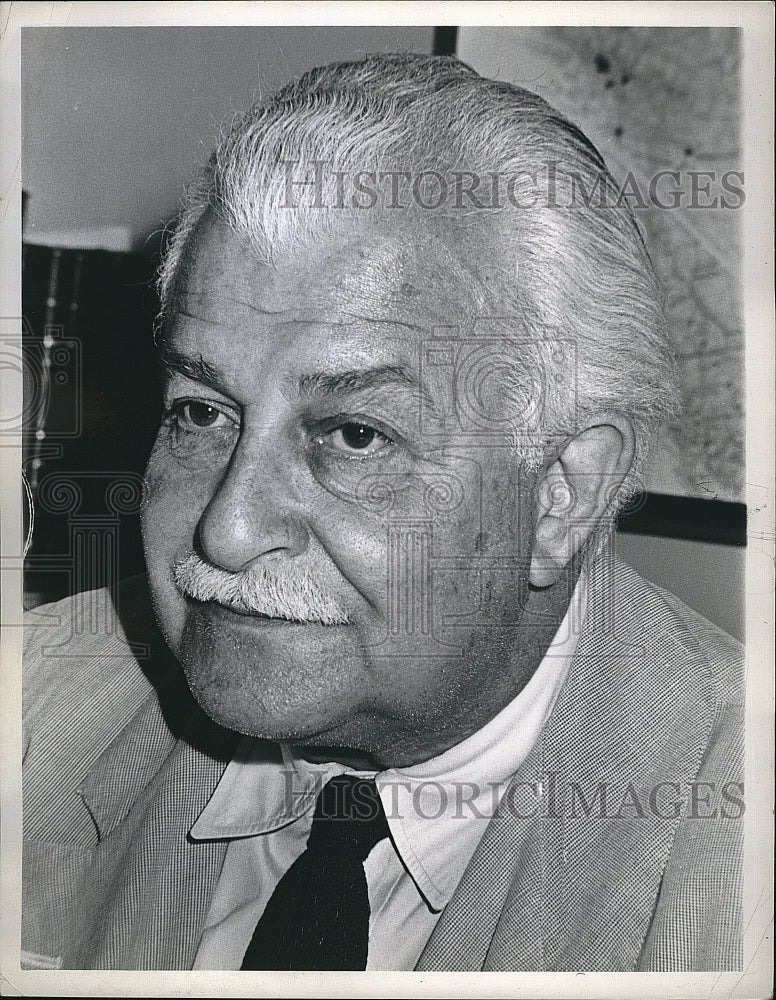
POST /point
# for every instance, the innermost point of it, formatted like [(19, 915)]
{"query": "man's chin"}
[(233, 710), (269, 678)]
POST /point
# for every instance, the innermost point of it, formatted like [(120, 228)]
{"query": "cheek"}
[(175, 500), (433, 537), (482, 550), (357, 544)]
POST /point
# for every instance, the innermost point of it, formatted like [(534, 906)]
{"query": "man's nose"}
[(251, 513)]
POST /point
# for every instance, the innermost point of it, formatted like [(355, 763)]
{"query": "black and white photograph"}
[(388, 459)]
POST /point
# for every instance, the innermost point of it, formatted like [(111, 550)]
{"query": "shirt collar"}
[(437, 811)]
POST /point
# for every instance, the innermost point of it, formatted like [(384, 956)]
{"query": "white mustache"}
[(295, 595)]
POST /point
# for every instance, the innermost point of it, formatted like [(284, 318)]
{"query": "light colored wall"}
[(709, 578), (116, 120)]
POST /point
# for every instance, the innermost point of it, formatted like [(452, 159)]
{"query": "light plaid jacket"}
[(119, 762)]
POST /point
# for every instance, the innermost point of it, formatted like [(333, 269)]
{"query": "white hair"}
[(574, 281), (277, 591)]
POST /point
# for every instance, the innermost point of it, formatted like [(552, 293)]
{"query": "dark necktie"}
[(318, 916)]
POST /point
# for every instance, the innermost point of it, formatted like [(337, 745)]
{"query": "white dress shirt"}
[(437, 812)]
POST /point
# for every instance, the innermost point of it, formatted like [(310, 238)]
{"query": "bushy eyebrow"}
[(333, 383), (194, 367), (329, 383)]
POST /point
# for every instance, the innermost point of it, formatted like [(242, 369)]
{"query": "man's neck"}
[(543, 614)]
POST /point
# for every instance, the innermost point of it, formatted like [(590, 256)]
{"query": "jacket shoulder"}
[(661, 620), (697, 921), (89, 662)]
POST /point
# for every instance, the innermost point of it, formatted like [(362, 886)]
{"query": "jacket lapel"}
[(558, 889), (508, 862), (146, 892)]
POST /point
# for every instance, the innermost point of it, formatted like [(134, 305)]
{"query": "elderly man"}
[(408, 711)]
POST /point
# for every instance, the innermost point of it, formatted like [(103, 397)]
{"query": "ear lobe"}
[(575, 493)]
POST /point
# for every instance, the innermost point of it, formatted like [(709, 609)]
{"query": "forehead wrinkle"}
[(391, 322), (354, 320), (349, 318), (177, 311), (187, 294)]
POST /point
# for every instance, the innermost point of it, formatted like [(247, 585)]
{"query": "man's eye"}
[(192, 413), (356, 439)]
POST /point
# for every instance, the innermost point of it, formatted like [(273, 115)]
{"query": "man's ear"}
[(575, 491)]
